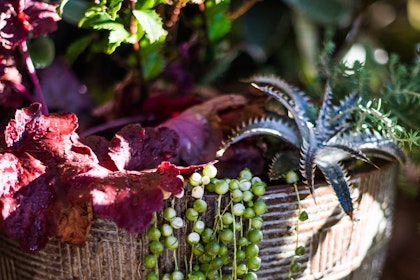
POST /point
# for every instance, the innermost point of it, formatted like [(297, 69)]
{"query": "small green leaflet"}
[(151, 23), (114, 8)]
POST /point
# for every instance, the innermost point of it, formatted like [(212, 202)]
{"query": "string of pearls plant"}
[(225, 248), (295, 267)]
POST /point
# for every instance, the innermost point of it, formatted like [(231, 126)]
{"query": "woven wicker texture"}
[(336, 247)]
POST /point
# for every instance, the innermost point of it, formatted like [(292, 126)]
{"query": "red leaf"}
[(24, 16), (199, 129), (46, 157), (129, 198), (100, 146), (137, 148), (32, 214), (42, 16), (44, 137), (49, 173), (18, 172)]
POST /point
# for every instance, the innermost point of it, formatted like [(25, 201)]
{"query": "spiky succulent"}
[(323, 142)]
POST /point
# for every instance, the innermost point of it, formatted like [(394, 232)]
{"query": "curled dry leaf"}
[(199, 130)]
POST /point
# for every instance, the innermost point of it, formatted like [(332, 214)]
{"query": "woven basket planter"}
[(336, 247)]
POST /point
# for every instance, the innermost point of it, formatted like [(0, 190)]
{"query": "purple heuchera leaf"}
[(100, 146), (47, 169), (36, 214), (138, 148), (11, 89), (44, 153), (129, 198), (20, 17), (199, 129)]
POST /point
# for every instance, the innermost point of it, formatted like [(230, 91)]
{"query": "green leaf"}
[(322, 11), (116, 37), (218, 21), (109, 25), (42, 51), (153, 61), (151, 23), (72, 11), (94, 17), (114, 8), (219, 26), (77, 47), (153, 66), (148, 4)]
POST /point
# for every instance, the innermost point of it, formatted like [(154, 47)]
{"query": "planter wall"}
[(336, 247)]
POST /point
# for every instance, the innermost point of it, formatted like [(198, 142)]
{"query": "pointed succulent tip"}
[(312, 190), (255, 85), (220, 152)]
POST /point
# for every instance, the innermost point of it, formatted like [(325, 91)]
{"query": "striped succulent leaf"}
[(281, 127), (336, 176), (323, 144), (374, 145)]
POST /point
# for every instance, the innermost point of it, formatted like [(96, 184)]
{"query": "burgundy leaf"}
[(14, 28), (9, 181), (168, 178), (137, 148), (161, 107), (129, 198), (100, 146), (199, 129), (42, 136), (18, 172), (46, 157), (11, 89), (31, 215), (20, 17), (63, 91), (51, 177), (242, 155), (42, 17)]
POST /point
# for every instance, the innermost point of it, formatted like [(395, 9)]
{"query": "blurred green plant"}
[(146, 25), (389, 95)]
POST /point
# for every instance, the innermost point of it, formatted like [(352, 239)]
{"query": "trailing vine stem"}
[(235, 250), (34, 78), (296, 228)]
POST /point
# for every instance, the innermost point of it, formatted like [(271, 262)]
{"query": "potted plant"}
[(183, 195)]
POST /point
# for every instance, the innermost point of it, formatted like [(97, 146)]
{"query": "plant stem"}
[(243, 9), (136, 47), (234, 264), (176, 261), (112, 124), (34, 78), (296, 228)]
